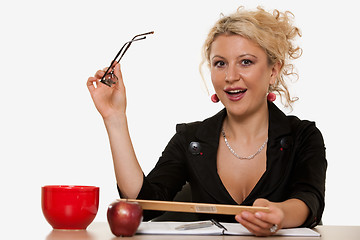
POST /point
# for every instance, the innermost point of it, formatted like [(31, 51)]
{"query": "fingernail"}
[(258, 215), (245, 214)]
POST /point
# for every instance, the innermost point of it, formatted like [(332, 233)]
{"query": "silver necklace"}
[(236, 155)]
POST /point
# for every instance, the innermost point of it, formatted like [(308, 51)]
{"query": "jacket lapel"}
[(278, 153), (204, 165)]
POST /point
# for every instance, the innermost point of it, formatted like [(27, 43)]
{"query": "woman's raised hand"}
[(111, 104), (109, 101)]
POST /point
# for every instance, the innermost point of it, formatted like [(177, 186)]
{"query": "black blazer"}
[(296, 166)]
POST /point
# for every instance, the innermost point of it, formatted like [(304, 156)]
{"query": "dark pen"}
[(216, 223)]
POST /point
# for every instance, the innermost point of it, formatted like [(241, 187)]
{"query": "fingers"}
[(94, 82), (104, 70), (100, 73), (253, 224), (275, 214), (117, 71), (90, 83), (261, 202), (274, 217), (260, 223), (119, 84)]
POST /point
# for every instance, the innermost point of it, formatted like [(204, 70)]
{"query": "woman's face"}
[(240, 73)]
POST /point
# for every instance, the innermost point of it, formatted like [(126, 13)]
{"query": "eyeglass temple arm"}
[(121, 50), (135, 38), (143, 34), (127, 45)]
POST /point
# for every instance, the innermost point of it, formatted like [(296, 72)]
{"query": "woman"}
[(249, 153)]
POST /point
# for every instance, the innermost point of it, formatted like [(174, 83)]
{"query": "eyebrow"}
[(240, 56)]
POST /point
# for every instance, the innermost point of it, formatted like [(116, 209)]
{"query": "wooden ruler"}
[(195, 207)]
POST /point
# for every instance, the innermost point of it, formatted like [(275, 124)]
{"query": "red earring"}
[(214, 98), (271, 97)]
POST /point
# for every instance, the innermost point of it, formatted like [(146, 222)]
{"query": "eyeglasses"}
[(109, 77)]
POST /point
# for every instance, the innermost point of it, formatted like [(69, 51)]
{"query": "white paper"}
[(238, 229), (156, 228), (169, 228)]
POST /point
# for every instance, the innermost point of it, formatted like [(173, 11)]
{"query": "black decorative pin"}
[(195, 148), (286, 142)]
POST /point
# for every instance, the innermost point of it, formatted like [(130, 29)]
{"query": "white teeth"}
[(236, 91)]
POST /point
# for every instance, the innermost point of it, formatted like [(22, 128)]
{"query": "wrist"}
[(115, 119), (295, 212)]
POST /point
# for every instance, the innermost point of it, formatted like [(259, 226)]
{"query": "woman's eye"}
[(246, 62), (219, 63)]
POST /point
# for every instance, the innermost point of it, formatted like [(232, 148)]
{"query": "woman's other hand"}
[(109, 101), (261, 223)]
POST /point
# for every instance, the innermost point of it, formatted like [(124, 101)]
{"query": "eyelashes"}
[(246, 62), (222, 64), (219, 64)]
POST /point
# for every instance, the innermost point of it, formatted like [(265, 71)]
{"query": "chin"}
[(237, 111), (243, 109)]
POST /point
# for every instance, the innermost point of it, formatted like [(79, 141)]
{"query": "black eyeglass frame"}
[(108, 81)]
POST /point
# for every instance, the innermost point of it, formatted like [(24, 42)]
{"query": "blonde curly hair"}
[(274, 32)]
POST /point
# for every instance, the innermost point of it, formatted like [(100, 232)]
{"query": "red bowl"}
[(69, 207)]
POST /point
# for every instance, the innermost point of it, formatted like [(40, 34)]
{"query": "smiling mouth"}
[(234, 92)]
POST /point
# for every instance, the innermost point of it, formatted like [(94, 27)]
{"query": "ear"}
[(275, 70)]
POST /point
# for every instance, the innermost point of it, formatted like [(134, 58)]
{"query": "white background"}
[(51, 133)]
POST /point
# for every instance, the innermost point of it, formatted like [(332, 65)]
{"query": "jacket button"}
[(195, 148), (285, 142)]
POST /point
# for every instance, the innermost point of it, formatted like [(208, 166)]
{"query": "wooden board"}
[(195, 207)]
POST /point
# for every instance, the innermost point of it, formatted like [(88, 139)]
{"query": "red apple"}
[(124, 218)]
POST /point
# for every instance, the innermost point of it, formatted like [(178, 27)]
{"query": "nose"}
[(232, 74)]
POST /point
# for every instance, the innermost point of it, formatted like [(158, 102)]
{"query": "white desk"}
[(101, 231)]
